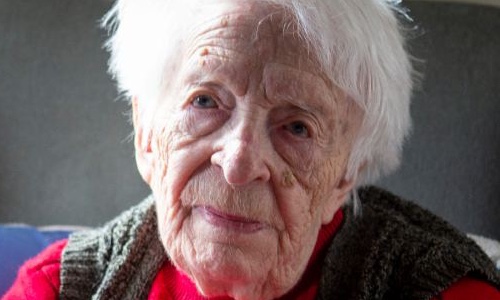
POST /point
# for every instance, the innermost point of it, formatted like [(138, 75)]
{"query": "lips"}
[(227, 221)]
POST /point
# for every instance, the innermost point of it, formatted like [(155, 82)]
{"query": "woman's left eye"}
[(298, 128), (204, 101)]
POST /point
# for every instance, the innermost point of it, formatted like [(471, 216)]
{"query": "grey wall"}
[(63, 155), (64, 158), (452, 162), (479, 2)]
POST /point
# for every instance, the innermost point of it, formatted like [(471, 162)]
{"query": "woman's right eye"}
[(204, 101)]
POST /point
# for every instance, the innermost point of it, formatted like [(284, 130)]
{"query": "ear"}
[(340, 194), (142, 142)]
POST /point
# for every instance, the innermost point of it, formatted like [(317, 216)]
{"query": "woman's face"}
[(247, 154)]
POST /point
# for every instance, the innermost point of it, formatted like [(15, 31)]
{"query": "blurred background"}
[(65, 156)]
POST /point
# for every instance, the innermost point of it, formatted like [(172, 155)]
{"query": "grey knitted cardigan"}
[(394, 250)]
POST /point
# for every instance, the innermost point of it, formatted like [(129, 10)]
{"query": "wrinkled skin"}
[(246, 154)]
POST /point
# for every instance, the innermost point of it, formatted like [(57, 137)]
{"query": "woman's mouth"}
[(227, 221)]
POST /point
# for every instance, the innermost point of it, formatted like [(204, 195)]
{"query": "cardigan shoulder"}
[(402, 251), (39, 279), (116, 261)]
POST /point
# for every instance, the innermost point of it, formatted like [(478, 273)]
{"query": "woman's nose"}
[(242, 157)]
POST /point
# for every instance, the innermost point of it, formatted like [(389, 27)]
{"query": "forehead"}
[(233, 43), (252, 31)]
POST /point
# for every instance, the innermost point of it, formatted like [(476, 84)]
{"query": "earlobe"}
[(142, 142)]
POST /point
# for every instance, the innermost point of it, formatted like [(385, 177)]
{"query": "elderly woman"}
[(256, 124)]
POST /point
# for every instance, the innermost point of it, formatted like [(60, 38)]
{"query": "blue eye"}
[(298, 128), (204, 101)]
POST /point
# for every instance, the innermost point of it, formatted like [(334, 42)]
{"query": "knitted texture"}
[(117, 261), (397, 250), (394, 250)]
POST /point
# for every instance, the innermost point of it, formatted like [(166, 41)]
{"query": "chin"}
[(222, 261), (224, 270)]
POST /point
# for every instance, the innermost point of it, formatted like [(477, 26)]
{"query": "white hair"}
[(359, 43)]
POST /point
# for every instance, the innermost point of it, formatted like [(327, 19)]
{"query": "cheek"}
[(298, 155), (178, 150), (330, 171), (197, 123), (325, 180), (317, 173), (301, 225), (295, 206), (176, 157)]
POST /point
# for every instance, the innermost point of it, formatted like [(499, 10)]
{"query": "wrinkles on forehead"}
[(246, 39), (251, 29), (218, 52)]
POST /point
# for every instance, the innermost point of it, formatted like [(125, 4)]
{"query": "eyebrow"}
[(220, 78), (308, 107), (311, 101)]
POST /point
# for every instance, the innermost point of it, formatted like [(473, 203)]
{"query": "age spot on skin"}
[(288, 179), (204, 52), (224, 22)]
